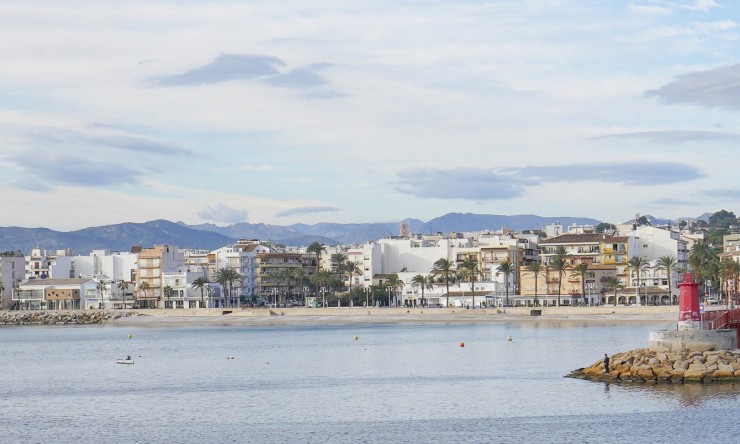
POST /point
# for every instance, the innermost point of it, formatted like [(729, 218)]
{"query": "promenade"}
[(346, 315)]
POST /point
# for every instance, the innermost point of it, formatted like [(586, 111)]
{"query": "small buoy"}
[(129, 336), (509, 338), (356, 338), (462, 344)]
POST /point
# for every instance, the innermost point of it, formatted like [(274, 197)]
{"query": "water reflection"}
[(684, 395)]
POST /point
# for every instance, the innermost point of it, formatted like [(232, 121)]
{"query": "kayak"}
[(124, 361)]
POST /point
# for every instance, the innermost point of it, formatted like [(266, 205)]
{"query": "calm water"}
[(317, 384)]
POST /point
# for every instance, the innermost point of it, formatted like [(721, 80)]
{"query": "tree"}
[(337, 261), (316, 248), (581, 271), (201, 284), (615, 284), (637, 265), (722, 219), (144, 286), (101, 287), (604, 226), (351, 268), (2, 293), (535, 269), (226, 277), (444, 268), (299, 275), (668, 264), (394, 283), (324, 279), (507, 269), (469, 269), (122, 287), (282, 276), (560, 263), (167, 290), (422, 282)]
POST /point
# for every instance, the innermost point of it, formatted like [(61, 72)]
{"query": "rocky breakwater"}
[(59, 317), (644, 366)]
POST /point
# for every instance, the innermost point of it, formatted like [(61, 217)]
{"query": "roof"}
[(583, 238)]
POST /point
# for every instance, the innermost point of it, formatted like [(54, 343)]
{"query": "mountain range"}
[(121, 237)]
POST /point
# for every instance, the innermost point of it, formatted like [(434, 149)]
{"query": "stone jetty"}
[(644, 366), (61, 317)]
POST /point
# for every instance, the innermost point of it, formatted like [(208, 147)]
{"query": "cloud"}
[(628, 173), (673, 136), (666, 6), (723, 193), (714, 88), (126, 142), (306, 210), (52, 168), (223, 213), (673, 202), (460, 183), (491, 184), (224, 68), (298, 78)]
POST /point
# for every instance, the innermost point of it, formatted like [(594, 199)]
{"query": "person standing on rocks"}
[(606, 364)]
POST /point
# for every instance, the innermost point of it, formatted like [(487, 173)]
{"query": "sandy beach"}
[(360, 315)]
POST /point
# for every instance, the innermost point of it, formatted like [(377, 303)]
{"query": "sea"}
[(432, 383)]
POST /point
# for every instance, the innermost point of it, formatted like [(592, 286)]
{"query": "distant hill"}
[(119, 237), (332, 233)]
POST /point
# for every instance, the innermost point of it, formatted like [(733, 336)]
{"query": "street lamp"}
[(389, 295), (323, 297)]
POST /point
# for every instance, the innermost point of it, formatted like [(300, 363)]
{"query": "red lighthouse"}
[(688, 304)]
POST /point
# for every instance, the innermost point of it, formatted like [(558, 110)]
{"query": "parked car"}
[(711, 300)]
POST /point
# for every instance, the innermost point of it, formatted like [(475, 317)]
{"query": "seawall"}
[(60, 317)]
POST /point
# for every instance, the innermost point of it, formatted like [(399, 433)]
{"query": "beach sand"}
[(340, 316)]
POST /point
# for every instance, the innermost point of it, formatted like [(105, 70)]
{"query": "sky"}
[(309, 111)]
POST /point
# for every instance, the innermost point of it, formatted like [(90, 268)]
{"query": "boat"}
[(125, 361)]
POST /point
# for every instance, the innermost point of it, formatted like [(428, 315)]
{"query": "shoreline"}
[(564, 316)]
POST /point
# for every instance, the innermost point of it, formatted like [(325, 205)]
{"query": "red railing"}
[(723, 319)]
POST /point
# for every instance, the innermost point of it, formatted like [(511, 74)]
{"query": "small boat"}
[(125, 361)]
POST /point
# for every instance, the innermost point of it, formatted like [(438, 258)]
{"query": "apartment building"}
[(151, 265), (12, 273)]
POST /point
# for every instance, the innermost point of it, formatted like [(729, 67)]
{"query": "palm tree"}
[(281, 276), (144, 286), (615, 284), (226, 277), (667, 263), (638, 265), (324, 279), (535, 269), (581, 271), (337, 261), (394, 283), (201, 284), (101, 286), (469, 269), (507, 269), (316, 248), (299, 275), (444, 268), (167, 290), (560, 265), (122, 287), (351, 268), (423, 282)]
